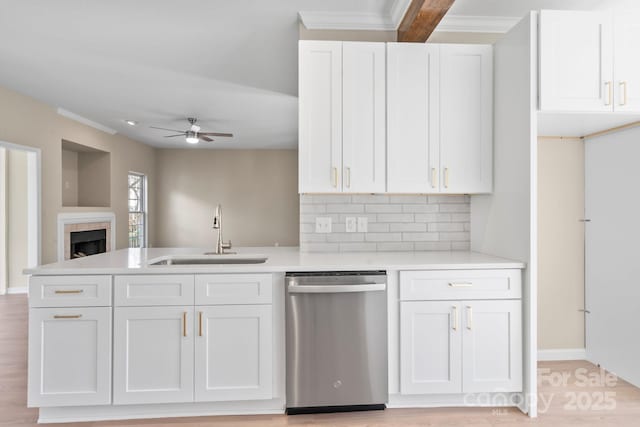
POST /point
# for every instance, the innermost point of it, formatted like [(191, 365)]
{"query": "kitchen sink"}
[(208, 259)]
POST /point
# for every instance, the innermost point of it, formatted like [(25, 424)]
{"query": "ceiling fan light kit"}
[(193, 134)]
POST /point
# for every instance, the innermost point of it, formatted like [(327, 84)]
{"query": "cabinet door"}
[(492, 346), (233, 353), (69, 356), (576, 61), (430, 347), (153, 355), (363, 112), (412, 118), (466, 118), (320, 116), (627, 63)]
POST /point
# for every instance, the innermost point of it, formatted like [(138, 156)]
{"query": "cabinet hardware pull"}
[(455, 317), (334, 177), (200, 323), (623, 87), (67, 316), (446, 177), (609, 88), (71, 291), (460, 284), (469, 317), (434, 178), (184, 324), (347, 172)]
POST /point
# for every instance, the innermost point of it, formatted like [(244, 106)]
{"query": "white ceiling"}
[(231, 63)]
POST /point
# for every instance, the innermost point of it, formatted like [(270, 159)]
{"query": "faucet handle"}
[(226, 245)]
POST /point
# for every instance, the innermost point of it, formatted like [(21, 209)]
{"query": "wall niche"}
[(86, 176)]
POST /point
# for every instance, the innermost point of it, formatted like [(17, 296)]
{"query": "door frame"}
[(34, 209)]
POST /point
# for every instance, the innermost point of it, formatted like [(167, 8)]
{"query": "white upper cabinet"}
[(320, 116), (440, 118), (466, 118), (363, 117), (627, 62), (589, 61), (412, 118), (342, 117), (576, 61)]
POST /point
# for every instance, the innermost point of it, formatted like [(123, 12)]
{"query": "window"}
[(137, 210)]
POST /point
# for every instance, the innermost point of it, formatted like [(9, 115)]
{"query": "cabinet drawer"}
[(233, 289), (70, 291), (460, 284), (143, 290)]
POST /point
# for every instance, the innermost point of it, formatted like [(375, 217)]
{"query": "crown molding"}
[(346, 21), (391, 19), (476, 24), (73, 116)]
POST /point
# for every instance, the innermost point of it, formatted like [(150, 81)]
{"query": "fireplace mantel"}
[(67, 219)]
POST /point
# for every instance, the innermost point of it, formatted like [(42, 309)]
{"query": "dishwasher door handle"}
[(336, 289)]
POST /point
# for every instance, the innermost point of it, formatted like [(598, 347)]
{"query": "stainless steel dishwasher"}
[(336, 341)]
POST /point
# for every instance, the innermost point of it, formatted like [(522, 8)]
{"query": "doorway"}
[(19, 215)]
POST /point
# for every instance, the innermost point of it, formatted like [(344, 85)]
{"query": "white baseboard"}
[(17, 290), (562, 354)]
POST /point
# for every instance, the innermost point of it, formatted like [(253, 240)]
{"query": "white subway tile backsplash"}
[(395, 222), (369, 198), (378, 208), (420, 237), (357, 247), (446, 226), (383, 237), (408, 199), (395, 246), (408, 226), (344, 208), (395, 217)]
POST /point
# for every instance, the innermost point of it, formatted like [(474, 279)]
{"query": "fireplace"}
[(86, 243), (85, 233)]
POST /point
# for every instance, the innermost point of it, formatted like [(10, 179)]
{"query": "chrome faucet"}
[(217, 225)]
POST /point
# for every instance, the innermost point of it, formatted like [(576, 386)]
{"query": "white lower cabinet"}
[(467, 346), (69, 356), (233, 359), (492, 346), (431, 347), (153, 355)]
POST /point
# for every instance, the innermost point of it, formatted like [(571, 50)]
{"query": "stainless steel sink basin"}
[(208, 259)]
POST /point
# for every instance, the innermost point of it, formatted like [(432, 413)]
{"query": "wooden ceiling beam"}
[(421, 18)]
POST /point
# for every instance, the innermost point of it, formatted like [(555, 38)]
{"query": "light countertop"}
[(280, 259)]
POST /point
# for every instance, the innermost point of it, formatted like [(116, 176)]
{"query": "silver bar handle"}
[(336, 289)]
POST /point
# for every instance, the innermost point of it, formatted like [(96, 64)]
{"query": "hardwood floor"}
[(575, 402)]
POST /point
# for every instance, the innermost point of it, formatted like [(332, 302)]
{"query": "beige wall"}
[(69, 178), (92, 191), (347, 35), (560, 244), (17, 205), (257, 189), (28, 122)]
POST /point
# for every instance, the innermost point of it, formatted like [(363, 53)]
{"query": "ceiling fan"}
[(193, 134)]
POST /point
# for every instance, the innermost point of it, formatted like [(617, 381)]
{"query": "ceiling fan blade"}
[(171, 136), (205, 138), (229, 135), (172, 130)]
